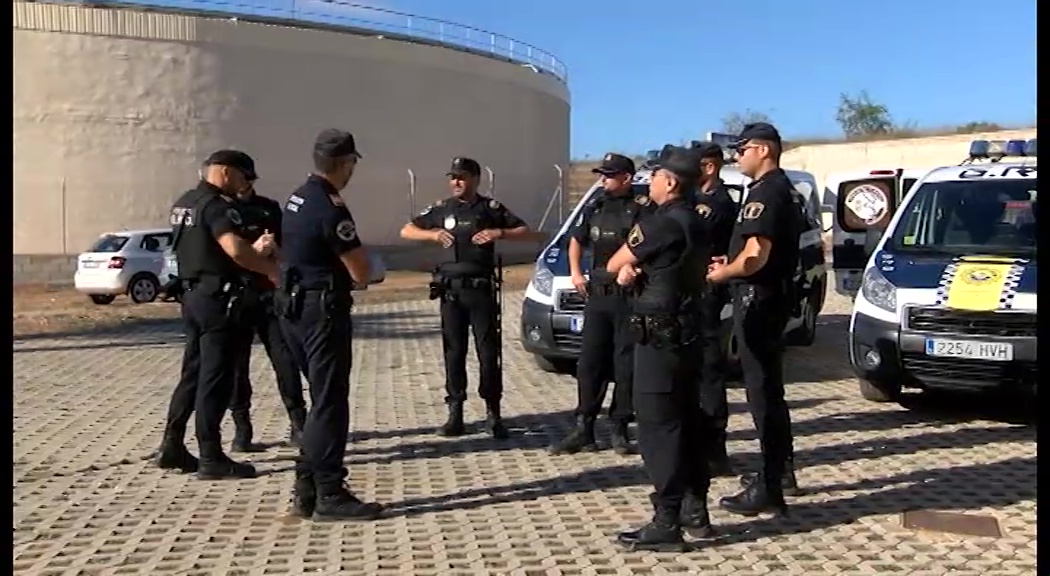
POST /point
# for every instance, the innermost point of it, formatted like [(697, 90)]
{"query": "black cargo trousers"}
[(470, 305), (262, 320), (606, 354), (713, 400)]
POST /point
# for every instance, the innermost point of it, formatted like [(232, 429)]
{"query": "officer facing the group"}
[(262, 215), (607, 351), (322, 258), (760, 267), (467, 226), (718, 212), (664, 259), (213, 257)]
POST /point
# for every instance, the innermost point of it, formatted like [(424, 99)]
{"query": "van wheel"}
[(806, 333), (555, 365), (102, 299), (879, 392)]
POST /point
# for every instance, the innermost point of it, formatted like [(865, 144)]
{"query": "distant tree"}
[(973, 127), (860, 116), (733, 123)]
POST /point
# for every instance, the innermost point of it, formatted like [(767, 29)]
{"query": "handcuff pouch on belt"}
[(446, 288), (656, 330), (288, 298)]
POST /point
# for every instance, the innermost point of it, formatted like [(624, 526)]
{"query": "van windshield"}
[(986, 216)]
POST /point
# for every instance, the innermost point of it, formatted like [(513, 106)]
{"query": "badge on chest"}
[(450, 222)]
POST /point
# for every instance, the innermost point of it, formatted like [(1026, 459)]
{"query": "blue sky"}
[(931, 62)]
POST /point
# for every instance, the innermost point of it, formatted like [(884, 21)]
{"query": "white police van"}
[(552, 310), (862, 203), (948, 297)]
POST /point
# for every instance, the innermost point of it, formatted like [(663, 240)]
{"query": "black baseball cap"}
[(464, 167), (682, 162), (335, 143), (233, 159), (613, 164), (757, 131), (706, 150)]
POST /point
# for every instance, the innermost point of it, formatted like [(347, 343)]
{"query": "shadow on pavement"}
[(826, 359)]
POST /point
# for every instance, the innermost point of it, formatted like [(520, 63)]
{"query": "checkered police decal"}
[(945, 282), (1013, 278), (1009, 286)]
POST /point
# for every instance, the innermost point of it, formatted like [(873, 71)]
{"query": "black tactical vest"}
[(612, 219), (676, 288), (463, 220)]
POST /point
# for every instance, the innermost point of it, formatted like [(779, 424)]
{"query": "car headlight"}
[(543, 279), (878, 290)]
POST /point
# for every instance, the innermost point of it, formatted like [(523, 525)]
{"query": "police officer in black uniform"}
[(213, 258), (261, 216), (467, 226), (322, 258), (665, 259), (763, 256), (718, 212), (607, 352)]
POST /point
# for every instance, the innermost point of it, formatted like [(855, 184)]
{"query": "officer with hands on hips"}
[(261, 216), (467, 226), (607, 351), (213, 257), (760, 268), (718, 212), (322, 259), (665, 258)]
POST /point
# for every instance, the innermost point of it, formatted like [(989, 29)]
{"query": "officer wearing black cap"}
[(760, 267), (213, 258), (467, 226), (607, 351), (261, 216), (322, 259), (664, 259), (718, 212)]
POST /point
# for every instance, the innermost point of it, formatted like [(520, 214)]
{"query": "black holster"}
[(438, 290), (658, 330)]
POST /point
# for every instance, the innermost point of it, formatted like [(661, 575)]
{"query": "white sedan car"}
[(127, 262)]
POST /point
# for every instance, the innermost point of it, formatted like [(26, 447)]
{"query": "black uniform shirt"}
[(656, 240), (198, 218), (718, 211), (317, 228), (463, 219), (672, 250), (770, 211), (603, 225), (261, 214)]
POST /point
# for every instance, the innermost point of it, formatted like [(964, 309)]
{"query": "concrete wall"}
[(115, 109), (931, 152)]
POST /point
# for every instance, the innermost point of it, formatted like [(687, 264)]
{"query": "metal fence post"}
[(412, 192), (492, 182), (560, 191)]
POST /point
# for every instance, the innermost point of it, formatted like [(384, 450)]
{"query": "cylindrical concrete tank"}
[(115, 109)]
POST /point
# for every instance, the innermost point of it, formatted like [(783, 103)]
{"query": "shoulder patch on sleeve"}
[(234, 216), (346, 230), (336, 200), (437, 204), (635, 236), (752, 210), (427, 210), (494, 204), (703, 210), (643, 200)]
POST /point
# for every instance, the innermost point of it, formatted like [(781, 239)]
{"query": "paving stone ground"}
[(89, 409)]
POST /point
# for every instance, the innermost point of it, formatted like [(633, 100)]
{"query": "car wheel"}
[(806, 333), (555, 365), (143, 289), (102, 299), (879, 392)]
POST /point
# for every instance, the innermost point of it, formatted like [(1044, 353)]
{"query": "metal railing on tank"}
[(361, 19)]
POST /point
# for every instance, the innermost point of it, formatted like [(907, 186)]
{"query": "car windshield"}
[(985, 216), (109, 243)]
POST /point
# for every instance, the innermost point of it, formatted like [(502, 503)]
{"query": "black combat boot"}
[(694, 517), (581, 439), (454, 425), (758, 498), (215, 465), (341, 504), (662, 534), (297, 417), (242, 434), (788, 482), (494, 422), (173, 455), (304, 495), (621, 439)]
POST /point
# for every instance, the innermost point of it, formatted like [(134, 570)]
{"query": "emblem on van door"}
[(982, 276), (870, 203)]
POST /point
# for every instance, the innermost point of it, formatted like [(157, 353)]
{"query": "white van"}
[(552, 310)]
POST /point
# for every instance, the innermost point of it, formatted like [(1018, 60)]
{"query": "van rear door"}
[(864, 207)]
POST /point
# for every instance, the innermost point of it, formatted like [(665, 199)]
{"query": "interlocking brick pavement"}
[(89, 409)]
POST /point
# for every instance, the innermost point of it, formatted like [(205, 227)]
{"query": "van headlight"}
[(543, 279), (878, 290)]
